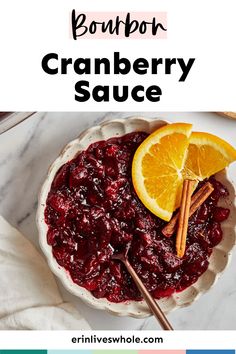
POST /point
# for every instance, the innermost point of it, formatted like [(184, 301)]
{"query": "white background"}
[(171, 340), (201, 29), (204, 29)]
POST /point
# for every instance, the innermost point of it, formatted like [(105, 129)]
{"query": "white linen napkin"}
[(29, 296)]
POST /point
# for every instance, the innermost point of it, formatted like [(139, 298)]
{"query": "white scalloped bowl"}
[(218, 260)]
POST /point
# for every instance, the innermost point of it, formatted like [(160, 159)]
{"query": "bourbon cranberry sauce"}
[(92, 211)]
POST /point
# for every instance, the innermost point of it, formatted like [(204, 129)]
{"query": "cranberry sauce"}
[(92, 211)]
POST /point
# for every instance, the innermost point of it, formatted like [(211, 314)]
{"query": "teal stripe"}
[(23, 351)]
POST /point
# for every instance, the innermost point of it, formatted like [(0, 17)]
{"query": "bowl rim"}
[(136, 309)]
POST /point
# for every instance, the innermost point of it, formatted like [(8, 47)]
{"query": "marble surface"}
[(27, 151)]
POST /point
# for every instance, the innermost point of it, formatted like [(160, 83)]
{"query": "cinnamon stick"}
[(183, 217), (196, 201)]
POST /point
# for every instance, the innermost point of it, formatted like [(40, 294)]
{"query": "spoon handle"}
[(152, 304)]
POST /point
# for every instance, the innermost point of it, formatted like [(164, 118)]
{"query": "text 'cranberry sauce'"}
[(92, 211)]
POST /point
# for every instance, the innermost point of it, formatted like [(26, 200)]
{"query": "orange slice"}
[(207, 155), (157, 168)]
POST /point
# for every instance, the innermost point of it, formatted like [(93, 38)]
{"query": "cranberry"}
[(51, 236), (125, 212), (203, 214), (100, 172), (219, 190), (91, 265), (99, 150), (145, 237), (195, 267), (91, 162), (83, 225), (111, 191), (120, 238), (77, 175), (159, 293), (104, 231), (171, 261), (152, 263), (111, 171), (62, 256), (91, 284), (61, 204), (215, 233), (102, 284), (97, 212), (92, 211), (137, 249), (104, 255), (111, 151), (116, 271), (144, 223), (220, 214), (61, 177), (93, 198)]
